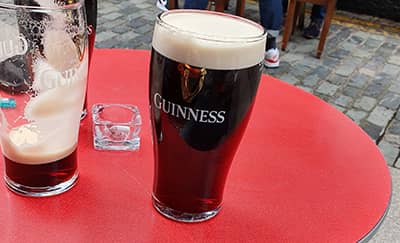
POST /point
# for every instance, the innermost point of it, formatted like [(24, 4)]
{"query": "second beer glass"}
[(204, 74), (43, 68)]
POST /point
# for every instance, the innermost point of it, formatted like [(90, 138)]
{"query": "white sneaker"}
[(271, 58)]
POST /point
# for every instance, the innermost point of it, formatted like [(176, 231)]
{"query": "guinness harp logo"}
[(192, 81)]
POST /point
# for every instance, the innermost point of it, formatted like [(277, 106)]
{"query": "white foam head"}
[(209, 39)]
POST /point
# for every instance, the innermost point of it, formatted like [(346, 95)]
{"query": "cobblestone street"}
[(358, 73)]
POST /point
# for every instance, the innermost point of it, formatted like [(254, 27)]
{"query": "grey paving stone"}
[(321, 71), (394, 127), (346, 69), (109, 43), (336, 79), (359, 80), (356, 115), (289, 79), (102, 10), (339, 108), (367, 71), (394, 59), (392, 138), (351, 91), (137, 22), (391, 69), (112, 16), (339, 53), (327, 88), (292, 57), (390, 229), (372, 130), (109, 25), (300, 70), (127, 36), (395, 87), (105, 35), (311, 80), (380, 116), (122, 29), (386, 49), (307, 89), (343, 101), (144, 29), (311, 62), (355, 40), (362, 35), (366, 103), (377, 36), (330, 62), (362, 53), (343, 33), (284, 68), (390, 101), (389, 151), (375, 63), (372, 43), (348, 46), (377, 86)]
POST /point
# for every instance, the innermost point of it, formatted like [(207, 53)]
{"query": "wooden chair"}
[(293, 12), (219, 5)]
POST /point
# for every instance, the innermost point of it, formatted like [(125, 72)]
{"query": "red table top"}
[(304, 173)]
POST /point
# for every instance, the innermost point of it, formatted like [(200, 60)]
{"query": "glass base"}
[(182, 216), (41, 191)]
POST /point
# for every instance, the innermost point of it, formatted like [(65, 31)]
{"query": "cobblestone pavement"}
[(359, 72)]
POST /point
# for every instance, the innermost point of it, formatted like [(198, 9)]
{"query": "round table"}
[(304, 172)]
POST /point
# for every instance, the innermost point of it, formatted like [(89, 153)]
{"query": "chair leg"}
[(296, 16), (288, 23), (173, 4), (240, 7), (330, 8), (220, 5)]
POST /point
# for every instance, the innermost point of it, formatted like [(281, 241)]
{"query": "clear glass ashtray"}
[(116, 127)]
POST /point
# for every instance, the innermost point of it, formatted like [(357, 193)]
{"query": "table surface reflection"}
[(304, 173)]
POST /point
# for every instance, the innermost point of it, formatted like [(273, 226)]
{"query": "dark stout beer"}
[(201, 95), (91, 17), (42, 175)]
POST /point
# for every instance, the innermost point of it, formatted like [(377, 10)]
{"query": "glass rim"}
[(13, 6), (213, 38)]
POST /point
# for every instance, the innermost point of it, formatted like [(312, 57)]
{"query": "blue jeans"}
[(271, 15), (317, 13), (195, 4)]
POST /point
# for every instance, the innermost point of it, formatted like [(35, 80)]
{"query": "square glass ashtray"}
[(116, 127)]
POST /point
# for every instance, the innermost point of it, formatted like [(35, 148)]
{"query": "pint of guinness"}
[(204, 73), (39, 132)]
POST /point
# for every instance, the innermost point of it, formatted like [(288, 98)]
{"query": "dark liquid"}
[(91, 17), (42, 175), (193, 154)]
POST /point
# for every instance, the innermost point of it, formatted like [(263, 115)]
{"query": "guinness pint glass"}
[(204, 73), (45, 48)]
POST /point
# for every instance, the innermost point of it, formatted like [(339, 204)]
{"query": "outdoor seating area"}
[(358, 72)]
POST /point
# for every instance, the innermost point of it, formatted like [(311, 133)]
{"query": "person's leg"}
[(317, 13), (284, 6), (195, 4), (271, 19), (271, 16), (316, 19)]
